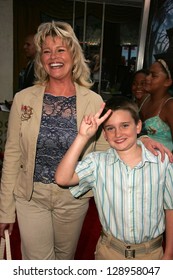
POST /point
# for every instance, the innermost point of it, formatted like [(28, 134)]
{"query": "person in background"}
[(27, 75), (134, 204), (156, 111), (43, 122), (96, 67), (95, 71), (139, 92)]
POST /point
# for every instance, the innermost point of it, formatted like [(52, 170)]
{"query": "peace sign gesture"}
[(91, 123)]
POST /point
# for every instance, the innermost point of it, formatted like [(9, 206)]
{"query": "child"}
[(138, 87), (133, 189), (156, 110), (139, 92)]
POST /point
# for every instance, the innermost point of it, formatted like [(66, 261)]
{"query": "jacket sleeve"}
[(11, 165)]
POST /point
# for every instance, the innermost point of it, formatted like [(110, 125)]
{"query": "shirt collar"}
[(147, 156)]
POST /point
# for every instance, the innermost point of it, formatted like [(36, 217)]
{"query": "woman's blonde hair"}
[(80, 69)]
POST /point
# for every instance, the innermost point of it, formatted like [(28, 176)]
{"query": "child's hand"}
[(90, 124)]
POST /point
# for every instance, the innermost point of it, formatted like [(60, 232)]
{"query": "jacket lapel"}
[(83, 101)]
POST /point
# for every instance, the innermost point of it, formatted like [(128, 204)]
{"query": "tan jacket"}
[(20, 149)]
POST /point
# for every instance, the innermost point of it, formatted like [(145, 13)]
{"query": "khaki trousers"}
[(105, 250), (50, 223)]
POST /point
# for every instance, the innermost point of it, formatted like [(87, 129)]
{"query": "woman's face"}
[(56, 58), (138, 86)]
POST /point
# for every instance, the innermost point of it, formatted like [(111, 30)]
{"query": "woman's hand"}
[(153, 146), (4, 226)]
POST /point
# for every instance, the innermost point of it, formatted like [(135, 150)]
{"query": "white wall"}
[(6, 50)]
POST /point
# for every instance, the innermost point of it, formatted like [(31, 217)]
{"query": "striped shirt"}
[(130, 202)]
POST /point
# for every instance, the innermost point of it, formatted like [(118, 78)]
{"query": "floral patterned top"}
[(158, 130), (58, 130)]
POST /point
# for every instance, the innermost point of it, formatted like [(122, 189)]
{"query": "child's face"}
[(138, 86), (157, 79), (121, 131)]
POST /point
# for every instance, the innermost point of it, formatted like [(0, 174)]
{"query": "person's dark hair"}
[(122, 103), (165, 67), (141, 71)]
